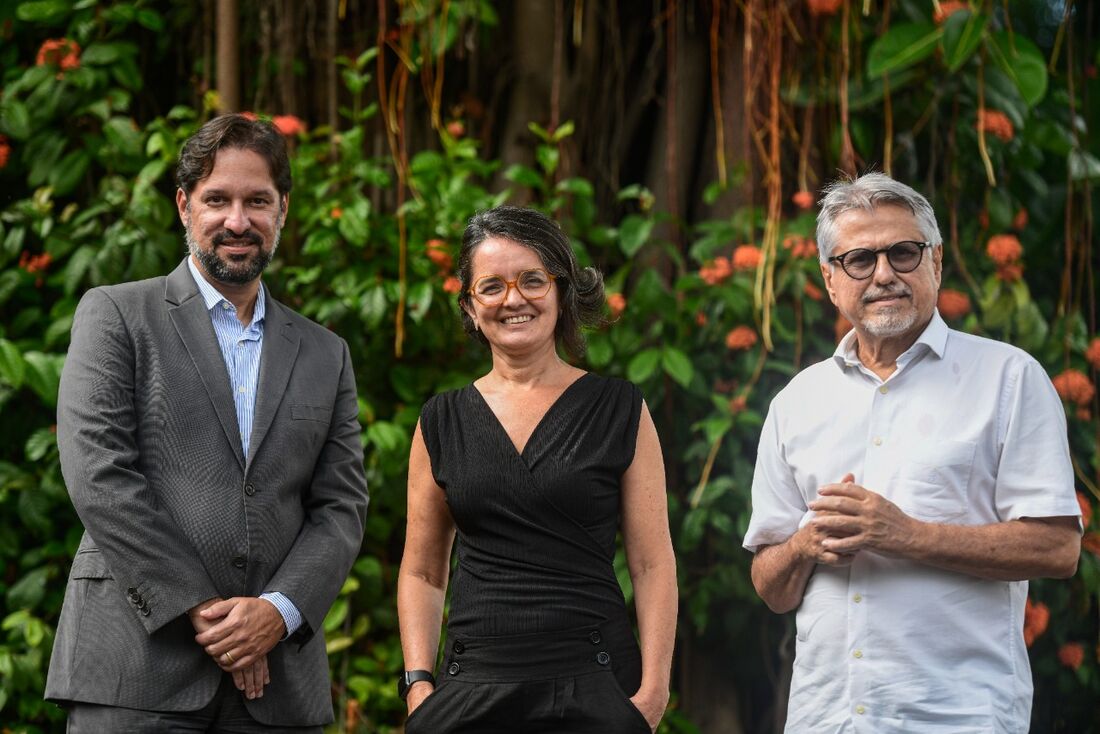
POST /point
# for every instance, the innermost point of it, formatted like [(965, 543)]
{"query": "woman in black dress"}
[(537, 466)]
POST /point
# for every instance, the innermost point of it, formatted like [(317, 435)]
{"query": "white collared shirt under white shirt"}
[(967, 431), (241, 347)]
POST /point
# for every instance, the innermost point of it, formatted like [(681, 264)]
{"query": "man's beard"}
[(890, 323), (232, 272)]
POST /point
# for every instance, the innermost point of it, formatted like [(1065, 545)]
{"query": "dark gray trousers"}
[(225, 714), (571, 682)]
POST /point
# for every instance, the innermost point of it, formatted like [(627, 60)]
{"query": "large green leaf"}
[(902, 46), (15, 120), (962, 34), (12, 366), (677, 366), (633, 233), (1083, 165), (43, 11), (644, 364), (1022, 61)]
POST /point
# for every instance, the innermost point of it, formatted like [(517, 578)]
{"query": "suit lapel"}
[(277, 357), (192, 321)]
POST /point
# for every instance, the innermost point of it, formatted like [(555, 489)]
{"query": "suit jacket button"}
[(238, 561), (454, 668), (133, 595), (249, 489), (603, 658), (144, 611)]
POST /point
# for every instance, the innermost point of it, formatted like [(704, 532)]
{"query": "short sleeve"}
[(1034, 472), (429, 430), (778, 506)]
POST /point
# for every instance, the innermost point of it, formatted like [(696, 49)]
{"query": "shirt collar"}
[(933, 339), (211, 297)]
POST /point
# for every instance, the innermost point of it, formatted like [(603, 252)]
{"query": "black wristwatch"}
[(409, 677)]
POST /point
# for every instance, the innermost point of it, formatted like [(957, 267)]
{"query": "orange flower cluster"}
[(996, 123), (616, 303), (1036, 619), (803, 199), (746, 257), (336, 212), (1071, 655), (741, 338), (953, 304), (456, 128), (947, 9), (1005, 251), (35, 263), (438, 254), (800, 247), (812, 291), (738, 404), (1074, 387), (1092, 353), (5, 151), (700, 318), (452, 284), (288, 125), (1086, 509), (1020, 220), (59, 52), (824, 7), (1091, 542), (715, 271), (251, 116)]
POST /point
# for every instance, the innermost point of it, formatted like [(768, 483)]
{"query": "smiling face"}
[(888, 305), (517, 325), (233, 217)]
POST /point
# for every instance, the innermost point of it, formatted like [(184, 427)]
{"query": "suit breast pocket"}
[(933, 483), (318, 413)]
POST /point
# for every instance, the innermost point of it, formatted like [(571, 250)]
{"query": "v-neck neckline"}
[(538, 426)]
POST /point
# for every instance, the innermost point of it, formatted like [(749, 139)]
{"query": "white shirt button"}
[(860, 710), (877, 441), (240, 389), (884, 389), (857, 654), (857, 598), (225, 305)]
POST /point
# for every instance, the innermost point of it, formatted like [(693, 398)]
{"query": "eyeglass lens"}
[(493, 289), (904, 257)]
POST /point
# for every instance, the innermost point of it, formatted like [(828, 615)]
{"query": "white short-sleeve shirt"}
[(968, 431)]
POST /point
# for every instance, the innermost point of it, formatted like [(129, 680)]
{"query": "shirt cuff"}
[(292, 618)]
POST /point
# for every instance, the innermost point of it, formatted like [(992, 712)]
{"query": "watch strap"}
[(412, 676)]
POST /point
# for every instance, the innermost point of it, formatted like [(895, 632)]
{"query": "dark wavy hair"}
[(580, 290), (233, 131)]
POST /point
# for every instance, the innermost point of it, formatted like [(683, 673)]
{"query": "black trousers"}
[(225, 714), (570, 682)]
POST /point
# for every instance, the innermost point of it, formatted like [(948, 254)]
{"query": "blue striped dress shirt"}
[(241, 349)]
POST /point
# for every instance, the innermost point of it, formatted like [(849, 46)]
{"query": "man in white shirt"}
[(904, 491)]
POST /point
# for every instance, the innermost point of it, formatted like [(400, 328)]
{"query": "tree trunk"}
[(229, 77)]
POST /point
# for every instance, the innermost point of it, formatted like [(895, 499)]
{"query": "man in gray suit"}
[(210, 442)]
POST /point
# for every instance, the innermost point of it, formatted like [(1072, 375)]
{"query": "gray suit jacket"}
[(175, 514)]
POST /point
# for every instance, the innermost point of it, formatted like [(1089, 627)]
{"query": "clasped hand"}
[(850, 518), (238, 633)]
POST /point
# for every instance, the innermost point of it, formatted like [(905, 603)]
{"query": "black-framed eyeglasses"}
[(492, 290), (860, 264)]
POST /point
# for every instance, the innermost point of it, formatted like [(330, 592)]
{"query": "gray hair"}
[(867, 192)]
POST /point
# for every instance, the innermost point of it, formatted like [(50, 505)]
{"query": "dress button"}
[(603, 658), (453, 668), (238, 561), (459, 648), (249, 489), (595, 637)]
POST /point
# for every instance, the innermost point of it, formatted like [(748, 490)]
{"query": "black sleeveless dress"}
[(535, 537)]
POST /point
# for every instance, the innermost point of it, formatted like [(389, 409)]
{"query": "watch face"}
[(403, 685)]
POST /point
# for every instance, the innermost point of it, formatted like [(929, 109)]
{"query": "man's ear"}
[(827, 275), (937, 263), (285, 207), (181, 205)]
